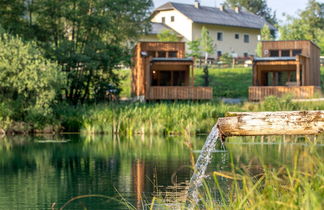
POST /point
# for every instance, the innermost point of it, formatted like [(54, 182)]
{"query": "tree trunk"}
[(271, 123)]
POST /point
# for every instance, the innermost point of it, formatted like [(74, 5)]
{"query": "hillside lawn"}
[(228, 83)]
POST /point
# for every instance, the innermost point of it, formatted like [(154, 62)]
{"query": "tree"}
[(29, 83), (207, 46), (206, 43), (88, 38), (258, 7), (194, 48), (308, 26), (168, 36), (265, 35)]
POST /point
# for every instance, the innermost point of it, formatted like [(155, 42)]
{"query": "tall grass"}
[(298, 187)]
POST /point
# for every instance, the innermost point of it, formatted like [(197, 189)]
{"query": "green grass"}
[(300, 186), (166, 118), (230, 83)]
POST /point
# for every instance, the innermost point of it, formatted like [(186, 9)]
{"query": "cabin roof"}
[(215, 16), (171, 60), (257, 59)]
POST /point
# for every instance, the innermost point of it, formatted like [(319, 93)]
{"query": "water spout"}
[(200, 168)]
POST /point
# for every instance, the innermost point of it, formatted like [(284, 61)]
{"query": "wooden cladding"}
[(181, 93), (257, 93)]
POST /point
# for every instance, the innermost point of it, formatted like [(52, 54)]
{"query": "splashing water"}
[(200, 168)]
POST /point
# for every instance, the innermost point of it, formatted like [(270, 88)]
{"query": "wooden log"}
[(271, 123)]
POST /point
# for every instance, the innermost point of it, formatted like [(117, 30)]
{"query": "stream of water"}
[(200, 167)]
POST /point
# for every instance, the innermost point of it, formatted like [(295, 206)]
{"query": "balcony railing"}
[(257, 93), (179, 92)]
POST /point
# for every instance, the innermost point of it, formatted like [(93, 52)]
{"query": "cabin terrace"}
[(287, 67), (161, 72)]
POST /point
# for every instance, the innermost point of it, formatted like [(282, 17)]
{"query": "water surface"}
[(37, 172)]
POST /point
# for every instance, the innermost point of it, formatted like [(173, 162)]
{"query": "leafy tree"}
[(308, 26), (168, 36), (265, 35), (206, 43), (258, 7), (207, 46), (194, 48), (88, 38), (226, 58), (29, 83)]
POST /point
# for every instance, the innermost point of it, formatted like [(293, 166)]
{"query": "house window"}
[(296, 52), (172, 18), (173, 54), (246, 38), (220, 36), (219, 53), (285, 53), (246, 55), (274, 53), (237, 36), (161, 54), (163, 19)]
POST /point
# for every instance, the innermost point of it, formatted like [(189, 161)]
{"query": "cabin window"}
[(285, 53), (173, 54), (219, 53), (246, 54), (296, 52), (172, 18), (274, 53), (220, 36), (163, 19), (282, 78), (237, 36), (168, 78), (246, 38), (151, 54), (161, 54)]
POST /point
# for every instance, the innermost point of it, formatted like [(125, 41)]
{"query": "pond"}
[(40, 172)]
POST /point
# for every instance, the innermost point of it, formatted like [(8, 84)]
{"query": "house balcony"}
[(179, 93), (258, 93)]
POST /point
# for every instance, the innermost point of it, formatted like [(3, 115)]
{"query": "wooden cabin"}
[(161, 72), (286, 67)]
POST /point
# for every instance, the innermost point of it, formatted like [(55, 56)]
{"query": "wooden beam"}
[(271, 123), (298, 74)]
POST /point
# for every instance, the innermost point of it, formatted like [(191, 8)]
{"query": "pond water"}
[(40, 172)]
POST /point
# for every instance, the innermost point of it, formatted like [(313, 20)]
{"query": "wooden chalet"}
[(286, 67), (161, 72)]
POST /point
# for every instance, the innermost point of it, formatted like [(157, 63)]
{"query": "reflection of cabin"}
[(161, 71), (287, 67)]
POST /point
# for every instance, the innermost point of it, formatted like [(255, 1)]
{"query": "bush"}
[(29, 83)]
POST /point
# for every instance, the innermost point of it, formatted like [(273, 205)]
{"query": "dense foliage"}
[(308, 25), (168, 36), (29, 82), (88, 38)]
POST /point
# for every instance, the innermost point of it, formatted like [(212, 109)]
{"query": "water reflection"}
[(36, 172)]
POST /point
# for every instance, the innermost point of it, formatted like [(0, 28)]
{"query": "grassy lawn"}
[(230, 83)]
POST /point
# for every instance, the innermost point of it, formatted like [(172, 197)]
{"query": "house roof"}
[(215, 16), (157, 28)]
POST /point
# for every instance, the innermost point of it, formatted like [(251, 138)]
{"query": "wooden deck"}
[(257, 93), (179, 92)]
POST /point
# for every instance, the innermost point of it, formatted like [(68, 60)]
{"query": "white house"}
[(235, 31)]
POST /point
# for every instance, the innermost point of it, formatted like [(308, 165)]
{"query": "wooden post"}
[(271, 123), (298, 73)]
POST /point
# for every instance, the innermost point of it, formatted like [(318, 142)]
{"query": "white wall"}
[(229, 44), (181, 24)]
